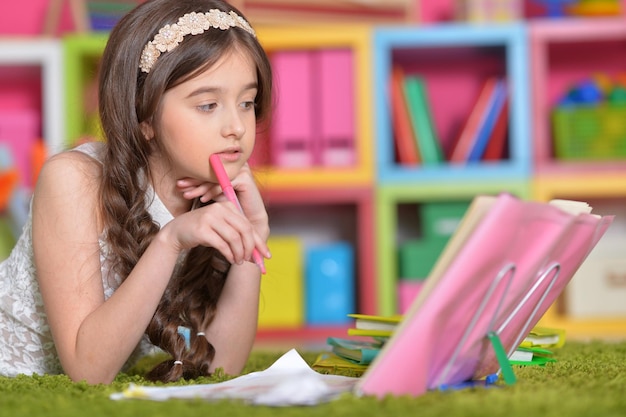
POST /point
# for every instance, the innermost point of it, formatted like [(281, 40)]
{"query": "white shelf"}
[(47, 53)]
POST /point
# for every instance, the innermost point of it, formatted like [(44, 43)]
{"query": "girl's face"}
[(211, 113)]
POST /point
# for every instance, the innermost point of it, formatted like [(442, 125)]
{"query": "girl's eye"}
[(247, 104), (207, 107)]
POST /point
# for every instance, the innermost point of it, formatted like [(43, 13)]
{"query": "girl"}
[(130, 239)]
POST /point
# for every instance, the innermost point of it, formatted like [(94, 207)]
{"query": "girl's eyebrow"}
[(208, 90)]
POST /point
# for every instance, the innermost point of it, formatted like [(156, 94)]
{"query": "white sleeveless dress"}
[(26, 345)]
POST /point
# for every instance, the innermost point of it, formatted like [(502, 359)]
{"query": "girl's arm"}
[(233, 329), (94, 338), (234, 326)]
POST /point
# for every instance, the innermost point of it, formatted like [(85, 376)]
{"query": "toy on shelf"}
[(489, 11), (87, 15), (8, 182), (581, 8), (555, 8), (9, 177), (590, 120), (593, 8), (280, 11), (14, 193)]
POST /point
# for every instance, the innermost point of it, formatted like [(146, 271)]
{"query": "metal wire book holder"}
[(552, 270), (508, 271), (549, 276)]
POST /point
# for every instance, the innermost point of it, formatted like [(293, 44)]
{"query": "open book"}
[(507, 262)]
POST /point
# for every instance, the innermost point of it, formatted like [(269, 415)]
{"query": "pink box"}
[(20, 130), (292, 126), (335, 102)]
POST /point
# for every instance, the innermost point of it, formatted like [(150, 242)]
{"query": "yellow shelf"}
[(603, 328), (358, 39), (276, 178), (582, 186)]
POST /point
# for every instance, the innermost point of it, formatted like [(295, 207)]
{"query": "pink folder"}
[(335, 102), (442, 339), (292, 126)]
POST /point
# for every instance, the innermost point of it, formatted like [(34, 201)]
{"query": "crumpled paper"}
[(290, 381)]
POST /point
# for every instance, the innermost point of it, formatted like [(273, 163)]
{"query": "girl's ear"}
[(146, 129)]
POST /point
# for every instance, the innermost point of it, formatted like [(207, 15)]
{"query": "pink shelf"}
[(361, 199), (563, 53)]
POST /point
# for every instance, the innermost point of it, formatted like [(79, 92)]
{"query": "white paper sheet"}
[(288, 382)]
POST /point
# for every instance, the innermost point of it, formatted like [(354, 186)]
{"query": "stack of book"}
[(537, 348), (370, 332)]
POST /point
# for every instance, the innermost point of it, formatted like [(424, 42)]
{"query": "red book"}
[(497, 141), (465, 141), (406, 143)]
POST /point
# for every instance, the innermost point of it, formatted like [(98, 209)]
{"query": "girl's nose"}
[(233, 125)]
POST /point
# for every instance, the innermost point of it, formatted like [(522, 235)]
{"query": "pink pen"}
[(229, 192)]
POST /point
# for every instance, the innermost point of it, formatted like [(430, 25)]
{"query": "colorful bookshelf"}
[(454, 60)]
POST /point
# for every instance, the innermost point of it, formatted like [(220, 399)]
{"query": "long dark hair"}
[(128, 97)]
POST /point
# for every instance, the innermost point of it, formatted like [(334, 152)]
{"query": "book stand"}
[(549, 276), (554, 269), (490, 287), (508, 272)]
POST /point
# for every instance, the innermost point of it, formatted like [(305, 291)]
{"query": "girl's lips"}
[(230, 156)]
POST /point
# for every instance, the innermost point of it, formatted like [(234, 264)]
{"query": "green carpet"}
[(589, 379)]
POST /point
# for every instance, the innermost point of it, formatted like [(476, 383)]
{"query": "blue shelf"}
[(417, 44)]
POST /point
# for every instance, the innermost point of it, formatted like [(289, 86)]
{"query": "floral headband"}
[(170, 36)]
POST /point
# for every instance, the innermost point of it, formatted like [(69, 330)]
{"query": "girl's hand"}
[(247, 193), (251, 201), (231, 238), (192, 189), (219, 225)]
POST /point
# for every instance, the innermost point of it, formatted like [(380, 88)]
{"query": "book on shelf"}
[(429, 147), (360, 351), (404, 137), (463, 143), (496, 144), (499, 273), (493, 112)]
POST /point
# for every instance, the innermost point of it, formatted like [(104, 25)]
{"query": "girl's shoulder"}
[(69, 180), (93, 149), (81, 166)]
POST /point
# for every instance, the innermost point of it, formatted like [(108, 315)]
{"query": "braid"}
[(189, 301)]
